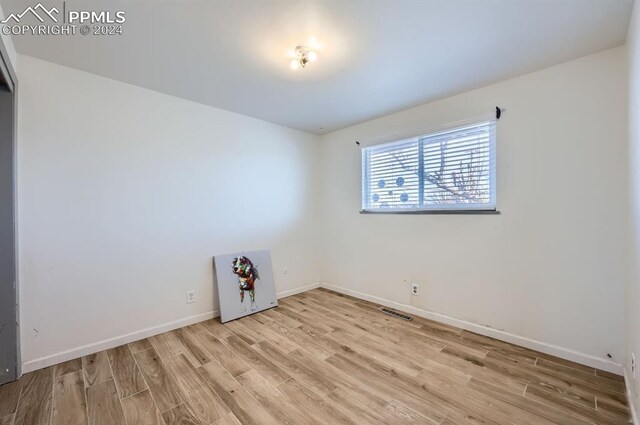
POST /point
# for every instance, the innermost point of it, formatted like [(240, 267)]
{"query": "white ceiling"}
[(375, 56)]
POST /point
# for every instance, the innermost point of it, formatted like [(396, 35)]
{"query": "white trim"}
[(630, 399), (298, 290), (106, 344), (543, 347)]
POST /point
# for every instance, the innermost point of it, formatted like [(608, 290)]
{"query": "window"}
[(450, 170)]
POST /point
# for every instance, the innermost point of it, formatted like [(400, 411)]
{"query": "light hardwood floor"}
[(319, 358)]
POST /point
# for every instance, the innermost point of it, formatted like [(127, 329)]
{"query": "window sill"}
[(436, 212)]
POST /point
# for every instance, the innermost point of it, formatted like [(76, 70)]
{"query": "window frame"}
[(457, 208)]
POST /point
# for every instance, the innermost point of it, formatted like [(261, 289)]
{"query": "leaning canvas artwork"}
[(245, 283)]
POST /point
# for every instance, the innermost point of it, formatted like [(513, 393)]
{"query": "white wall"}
[(633, 286), (126, 194), (551, 267)]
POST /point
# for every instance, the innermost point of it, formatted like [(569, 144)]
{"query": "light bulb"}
[(313, 56), (295, 64)]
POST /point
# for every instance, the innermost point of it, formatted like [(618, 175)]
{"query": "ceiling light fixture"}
[(303, 55)]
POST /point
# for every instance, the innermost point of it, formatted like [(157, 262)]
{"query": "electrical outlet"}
[(191, 297), (414, 289), (633, 365)]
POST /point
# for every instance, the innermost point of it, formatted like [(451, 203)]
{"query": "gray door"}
[(9, 369)]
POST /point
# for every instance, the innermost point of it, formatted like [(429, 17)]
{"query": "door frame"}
[(8, 129)]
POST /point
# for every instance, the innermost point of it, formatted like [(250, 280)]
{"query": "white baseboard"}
[(106, 344), (565, 353), (603, 364), (298, 290), (632, 406)]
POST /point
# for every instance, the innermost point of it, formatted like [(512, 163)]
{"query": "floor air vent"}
[(395, 314)]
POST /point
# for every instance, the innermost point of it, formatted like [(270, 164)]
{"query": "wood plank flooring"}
[(320, 358)]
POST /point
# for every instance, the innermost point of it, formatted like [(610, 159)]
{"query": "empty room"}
[(319, 212)]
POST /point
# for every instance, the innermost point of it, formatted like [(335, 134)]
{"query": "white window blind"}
[(448, 170)]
